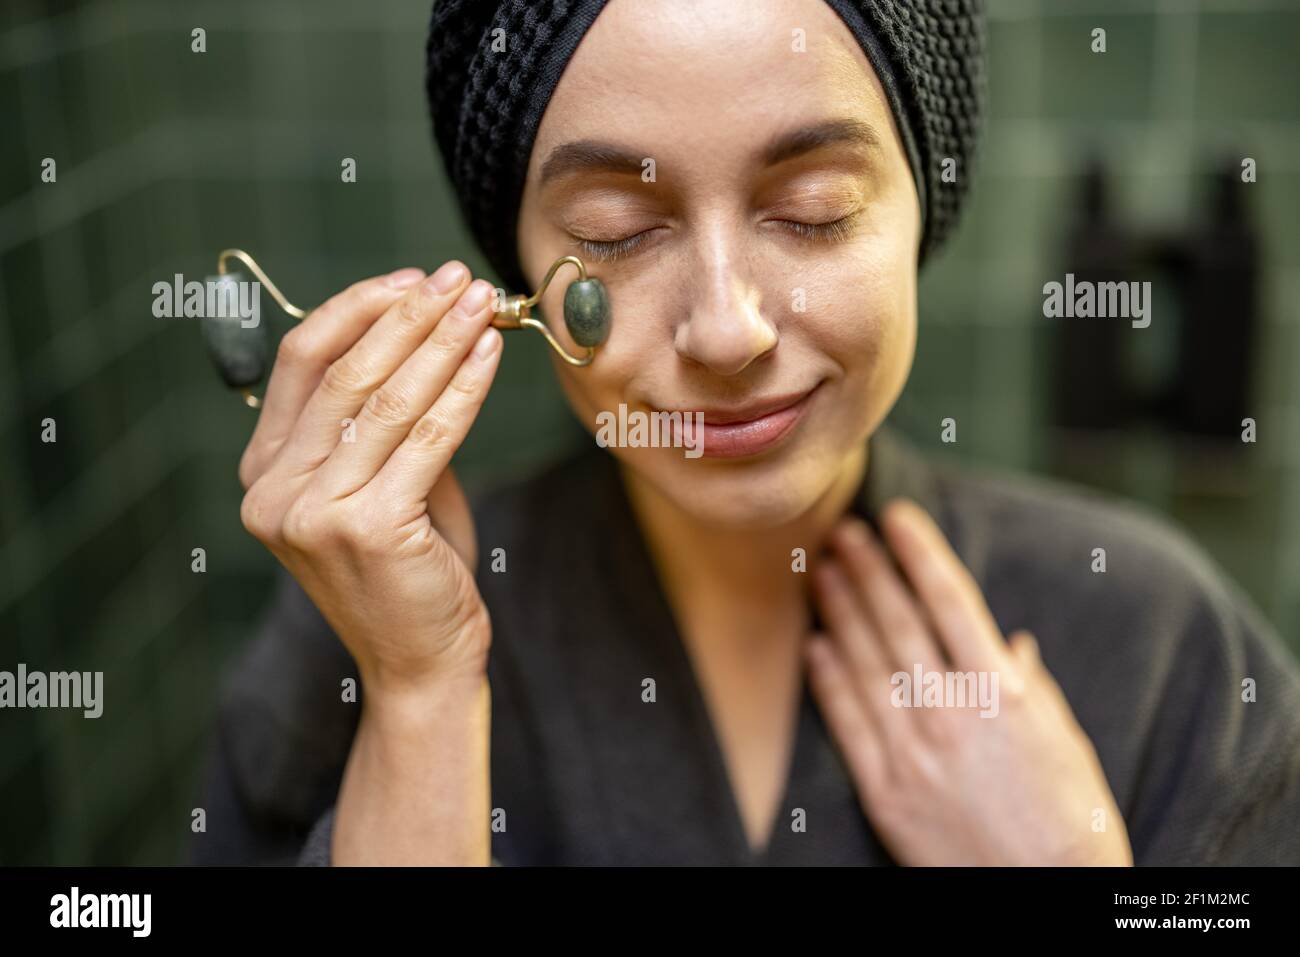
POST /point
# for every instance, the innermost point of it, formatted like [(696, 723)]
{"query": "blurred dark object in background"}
[(1218, 283), (1212, 271)]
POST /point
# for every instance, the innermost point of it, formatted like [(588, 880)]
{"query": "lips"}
[(751, 412), (749, 429)]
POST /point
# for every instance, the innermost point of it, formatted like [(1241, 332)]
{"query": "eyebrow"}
[(595, 156), (846, 132), (590, 156)]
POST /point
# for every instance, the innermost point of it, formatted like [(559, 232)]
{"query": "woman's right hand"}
[(347, 479)]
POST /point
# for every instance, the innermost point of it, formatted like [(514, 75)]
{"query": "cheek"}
[(876, 324), (862, 315)]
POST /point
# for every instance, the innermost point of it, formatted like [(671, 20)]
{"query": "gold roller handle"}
[(516, 312)]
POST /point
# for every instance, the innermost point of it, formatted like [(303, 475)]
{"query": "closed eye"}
[(605, 250), (833, 231)]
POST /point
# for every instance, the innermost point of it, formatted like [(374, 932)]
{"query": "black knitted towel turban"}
[(486, 103)]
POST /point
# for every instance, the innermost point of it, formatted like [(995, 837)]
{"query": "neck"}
[(690, 553)]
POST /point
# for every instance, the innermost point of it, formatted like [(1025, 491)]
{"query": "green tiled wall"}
[(165, 156)]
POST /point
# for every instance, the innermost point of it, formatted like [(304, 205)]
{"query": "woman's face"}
[(732, 172)]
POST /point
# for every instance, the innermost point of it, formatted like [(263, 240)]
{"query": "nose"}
[(726, 330)]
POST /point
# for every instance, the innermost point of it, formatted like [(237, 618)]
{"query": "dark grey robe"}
[(1151, 654)]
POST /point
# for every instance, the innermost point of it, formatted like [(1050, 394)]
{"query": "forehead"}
[(701, 78)]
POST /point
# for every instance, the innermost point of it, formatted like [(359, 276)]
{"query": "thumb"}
[(450, 514)]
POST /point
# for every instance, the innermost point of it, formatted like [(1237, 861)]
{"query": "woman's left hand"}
[(1021, 785)]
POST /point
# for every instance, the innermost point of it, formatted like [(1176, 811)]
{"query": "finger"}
[(351, 378), (393, 409), (1030, 667), (946, 589), (1024, 648), (307, 350), (903, 628), (850, 630), (851, 724), (422, 457)]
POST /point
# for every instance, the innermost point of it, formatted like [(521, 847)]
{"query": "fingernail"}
[(475, 297), (904, 508), (487, 343), (403, 278), (447, 278), (853, 531)]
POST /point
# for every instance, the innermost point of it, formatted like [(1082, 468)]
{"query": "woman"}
[(807, 645)]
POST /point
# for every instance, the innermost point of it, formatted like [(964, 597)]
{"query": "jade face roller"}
[(241, 351)]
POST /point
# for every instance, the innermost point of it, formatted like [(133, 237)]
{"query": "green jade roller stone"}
[(239, 352), (586, 312)]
